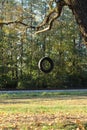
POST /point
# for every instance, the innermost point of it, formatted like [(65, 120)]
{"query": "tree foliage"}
[(20, 49)]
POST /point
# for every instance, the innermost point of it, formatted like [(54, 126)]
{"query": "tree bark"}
[(79, 9)]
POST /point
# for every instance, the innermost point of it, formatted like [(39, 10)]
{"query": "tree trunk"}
[(79, 9)]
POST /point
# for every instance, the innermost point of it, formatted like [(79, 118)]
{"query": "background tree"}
[(20, 49)]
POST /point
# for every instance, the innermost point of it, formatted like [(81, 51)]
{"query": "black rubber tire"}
[(42, 67)]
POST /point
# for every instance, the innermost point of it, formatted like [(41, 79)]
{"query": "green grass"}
[(43, 111)]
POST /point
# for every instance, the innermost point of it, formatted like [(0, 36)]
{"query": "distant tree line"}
[(20, 49)]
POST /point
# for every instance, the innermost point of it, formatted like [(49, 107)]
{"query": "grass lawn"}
[(43, 111)]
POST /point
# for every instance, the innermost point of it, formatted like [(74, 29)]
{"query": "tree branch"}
[(50, 24), (11, 22), (16, 22), (53, 15)]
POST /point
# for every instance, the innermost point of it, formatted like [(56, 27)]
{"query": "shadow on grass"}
[(16, 98)]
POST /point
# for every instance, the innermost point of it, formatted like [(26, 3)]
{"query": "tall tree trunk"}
[(79, 9)]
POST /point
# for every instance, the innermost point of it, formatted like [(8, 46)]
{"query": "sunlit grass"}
[(44, 111), (38, 105)]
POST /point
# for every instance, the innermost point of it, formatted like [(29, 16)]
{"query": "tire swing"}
[(46, 64)]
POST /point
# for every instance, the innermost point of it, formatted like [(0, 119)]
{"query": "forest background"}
[(20, 49)]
